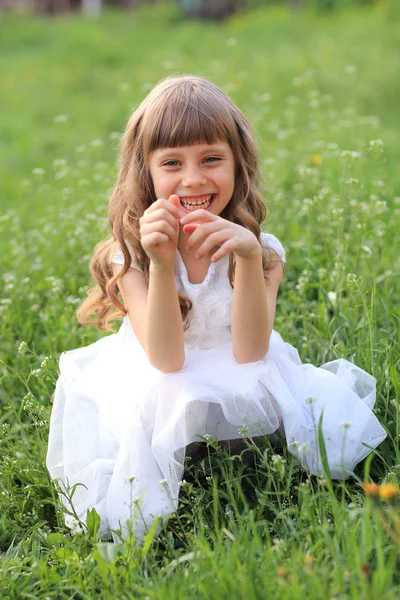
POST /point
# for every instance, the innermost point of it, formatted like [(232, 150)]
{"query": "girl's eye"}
[(170, 163), (212, 158)]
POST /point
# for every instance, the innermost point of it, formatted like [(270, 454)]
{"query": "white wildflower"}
[(376, 144), (277, 544), (332, 297), (350, 154), (352, 278), (115, 135), (304, 448), (22, 347), (59, 163), (44, 362), (367, 249)]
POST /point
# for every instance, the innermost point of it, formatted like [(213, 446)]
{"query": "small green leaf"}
[(68, 555), (108, 551), (182, 559), (55, 539), (148, 538), (322, 449), (92, 522)]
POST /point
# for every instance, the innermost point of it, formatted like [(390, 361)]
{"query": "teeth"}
[(207, 199), (197, 203), (194, 206), (203, 204)]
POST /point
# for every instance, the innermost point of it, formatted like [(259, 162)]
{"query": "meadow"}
[(322, 93)]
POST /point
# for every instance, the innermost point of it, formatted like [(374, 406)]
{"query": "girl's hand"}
[(207, 230), (159, 230)]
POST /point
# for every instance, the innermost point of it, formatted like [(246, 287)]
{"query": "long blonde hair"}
[(179, 111)]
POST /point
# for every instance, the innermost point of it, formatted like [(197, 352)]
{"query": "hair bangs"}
[(181, 122)]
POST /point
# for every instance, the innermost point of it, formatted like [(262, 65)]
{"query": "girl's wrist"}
[(254, 256), (161, 267)]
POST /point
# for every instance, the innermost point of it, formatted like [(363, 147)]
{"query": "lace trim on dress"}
[(270, 241), (117, 257)]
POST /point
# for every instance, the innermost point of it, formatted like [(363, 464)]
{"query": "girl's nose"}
[(193, 177)]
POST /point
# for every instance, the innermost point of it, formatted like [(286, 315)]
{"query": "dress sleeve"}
[(270, 241), (118, 258)]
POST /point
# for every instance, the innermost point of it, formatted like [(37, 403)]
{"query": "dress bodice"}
[(210, 315)]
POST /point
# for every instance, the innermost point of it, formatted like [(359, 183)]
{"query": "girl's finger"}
[(196, 216), (162, 214), (174, 200), (161, 226), (156, 238), (215, 239), (188, 229), (163, 204), (202, 232), (221, 252)]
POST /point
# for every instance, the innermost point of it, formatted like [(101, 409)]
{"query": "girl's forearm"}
[(250, 323), (164, 340)]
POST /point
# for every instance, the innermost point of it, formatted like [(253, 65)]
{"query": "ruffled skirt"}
[(120, 427)]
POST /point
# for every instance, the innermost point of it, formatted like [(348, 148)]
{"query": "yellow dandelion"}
[(317, 159), (308, 559), (388, 491), (371, 489), (281, 571)]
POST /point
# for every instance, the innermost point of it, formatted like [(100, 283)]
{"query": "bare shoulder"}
[(132, 275), (132, 284), (134, 291), (274, 276)]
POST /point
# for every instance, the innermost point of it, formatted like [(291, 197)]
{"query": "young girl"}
[(196, 353)]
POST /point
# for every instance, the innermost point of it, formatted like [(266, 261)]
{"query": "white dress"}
[(120, 427)]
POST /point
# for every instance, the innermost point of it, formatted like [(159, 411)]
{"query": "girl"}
[(196, 353)]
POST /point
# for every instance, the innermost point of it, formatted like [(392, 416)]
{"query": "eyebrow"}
[(178, 149)]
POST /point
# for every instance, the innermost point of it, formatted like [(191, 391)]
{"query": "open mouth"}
[(195, 202)]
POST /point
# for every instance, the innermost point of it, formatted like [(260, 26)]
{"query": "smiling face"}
[(202, 175)]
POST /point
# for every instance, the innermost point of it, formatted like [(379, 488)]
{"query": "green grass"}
[(322, 94)]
